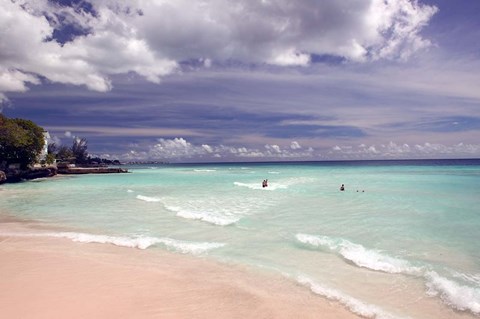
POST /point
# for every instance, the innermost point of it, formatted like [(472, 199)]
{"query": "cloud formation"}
[(152, 38), (180, 150), (393, 150)]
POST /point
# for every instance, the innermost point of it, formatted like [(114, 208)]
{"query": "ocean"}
[(402, 240)]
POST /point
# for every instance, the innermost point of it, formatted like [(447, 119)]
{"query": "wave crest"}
[(208, 217), (361, 256), (354, 305), (453, 294), (148, 199), (256, 186), (140, 242)]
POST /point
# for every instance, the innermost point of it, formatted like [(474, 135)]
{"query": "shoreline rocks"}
[(3, 177), (17, 175)]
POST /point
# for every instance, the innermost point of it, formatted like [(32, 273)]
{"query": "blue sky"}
[(188, 81)]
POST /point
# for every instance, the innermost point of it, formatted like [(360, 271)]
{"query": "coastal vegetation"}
[(21, 141), (21, 145)]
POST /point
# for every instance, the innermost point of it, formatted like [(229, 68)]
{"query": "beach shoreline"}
[(46, 277)]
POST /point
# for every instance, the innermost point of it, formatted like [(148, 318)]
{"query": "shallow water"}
[(405, 245)]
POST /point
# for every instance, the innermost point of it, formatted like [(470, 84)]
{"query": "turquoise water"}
[(401, 241)]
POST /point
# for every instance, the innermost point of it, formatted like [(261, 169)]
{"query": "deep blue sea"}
[(402, 240)]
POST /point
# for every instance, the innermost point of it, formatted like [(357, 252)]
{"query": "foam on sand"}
[(464, 298), (361, 256), (105, 281), (354, 305), (455, 295), (140, 242)]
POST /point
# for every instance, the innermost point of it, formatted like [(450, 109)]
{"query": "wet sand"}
[(56, 278)]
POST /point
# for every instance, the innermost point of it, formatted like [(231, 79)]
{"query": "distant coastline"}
[(368, 162)]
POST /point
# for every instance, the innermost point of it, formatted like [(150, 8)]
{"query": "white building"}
[(44, 152)]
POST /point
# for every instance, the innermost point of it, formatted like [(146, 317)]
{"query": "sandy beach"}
[(57, 278)]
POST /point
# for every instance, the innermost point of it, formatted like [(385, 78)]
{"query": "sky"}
[(263, 80)]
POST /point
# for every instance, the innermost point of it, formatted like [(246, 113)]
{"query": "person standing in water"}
[(342, 188)]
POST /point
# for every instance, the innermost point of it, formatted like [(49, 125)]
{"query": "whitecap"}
[(354, 305), (129, 191), (361, 256), (208, 217), (148, 199), (273, 172), (204, 170), (257, 186), (453, 294)]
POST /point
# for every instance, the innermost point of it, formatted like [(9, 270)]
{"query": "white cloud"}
[(179, 149), (273, 148), (290, 57), (295, 145), (151, 37), (207, 148), (394, 150)]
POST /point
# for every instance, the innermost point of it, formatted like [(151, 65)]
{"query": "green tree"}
[(50, 159), (21, 141), (79, 150), (65, 154)]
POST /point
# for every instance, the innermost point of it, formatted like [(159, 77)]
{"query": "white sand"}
[(56, 278)]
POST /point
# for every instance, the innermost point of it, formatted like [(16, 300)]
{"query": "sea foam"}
[(354, 305), (204, 170), (256, 186), (453, 294), (140, 242), (148, 199), (361, 256), (205, 216)]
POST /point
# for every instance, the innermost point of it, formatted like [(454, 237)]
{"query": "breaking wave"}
[(204, 170), (354, 305), (271, 186), (460, 297), (148, 199), (205, 216), (455, 295), (140, 242), (361, 256)]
